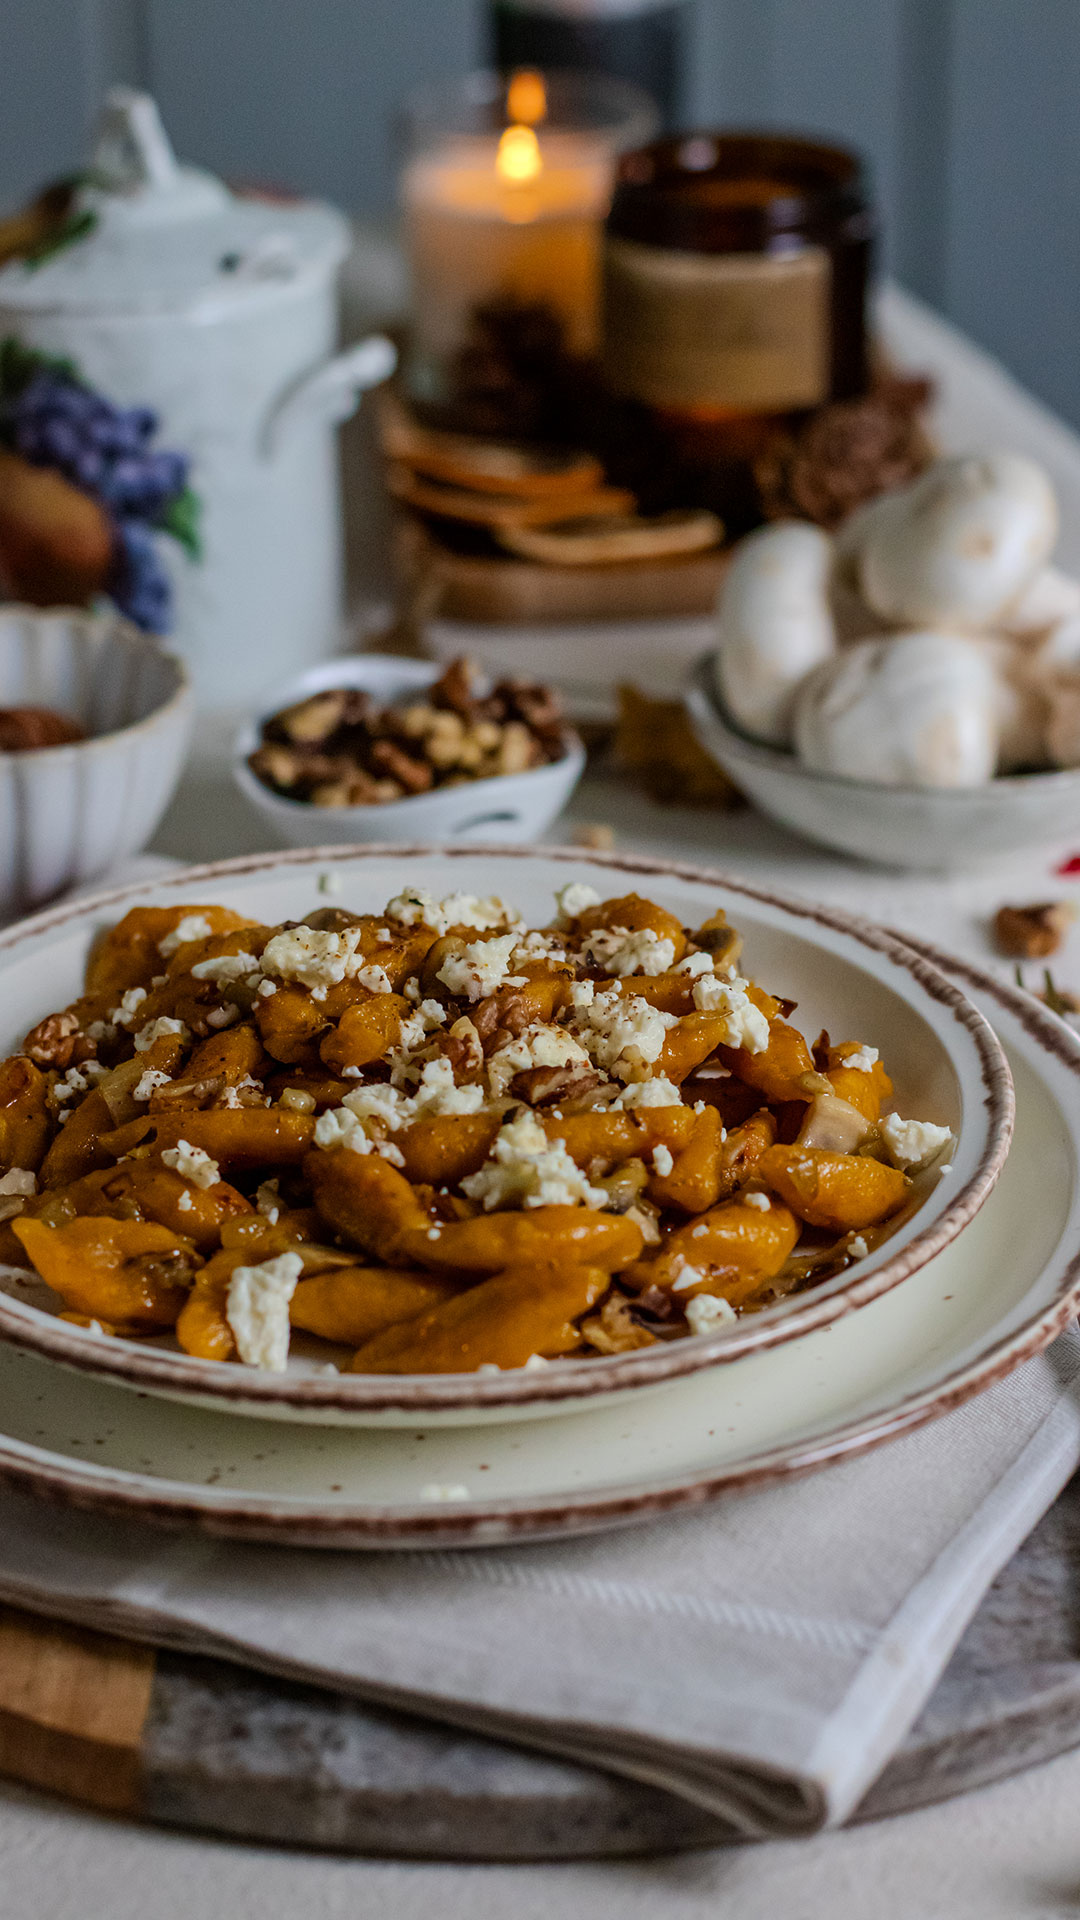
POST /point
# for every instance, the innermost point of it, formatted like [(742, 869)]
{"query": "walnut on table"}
[(1033, 932)]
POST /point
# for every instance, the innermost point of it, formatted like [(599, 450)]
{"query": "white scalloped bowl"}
[(68, 814), (511, 807)]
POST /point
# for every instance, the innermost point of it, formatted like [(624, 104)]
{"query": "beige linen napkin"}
[(761, 1657)]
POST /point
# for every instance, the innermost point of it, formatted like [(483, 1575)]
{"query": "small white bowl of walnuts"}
[(373, 747)]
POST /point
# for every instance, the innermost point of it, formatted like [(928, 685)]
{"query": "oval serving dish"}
[(511, 807), (936, 828), (945, 1061)]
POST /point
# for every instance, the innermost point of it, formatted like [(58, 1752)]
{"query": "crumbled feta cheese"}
[(534, 1362), (621, 953), (696, 964), (574, 900), (621, 1033), (706, 1311), (657, 1092), (417, 908), (388, 1104), (152, 1079), (219, 1017), (72, 1082), (298, 1100), (194, 926), (488, 1366), (192, 1164), (101, 1031), (375, 979), (857, 1247), (315, 957), (265, 988), (538, 1046), (688, 1276), (130, 1002), (160, 1029), (662, 1160), (338, 1127), (268, 1201), (436, 1491), (913, 1143), (223, 968), (699, 1232), (257, 1310), (186, 1203), (480, 967), (525, 1170), (863, 1059), (18, 1180), (747, 1026), (760, 1201), (437, 1093), (537, 945)]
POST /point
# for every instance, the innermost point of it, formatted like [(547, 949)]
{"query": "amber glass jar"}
[(734, 284)]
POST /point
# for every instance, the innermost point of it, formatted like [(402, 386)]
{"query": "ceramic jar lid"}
[(165, 238)]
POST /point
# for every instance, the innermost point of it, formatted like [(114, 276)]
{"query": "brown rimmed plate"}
[(857, 980), (993, 1298)]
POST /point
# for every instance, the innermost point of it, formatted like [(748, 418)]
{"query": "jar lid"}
[(737, 193), (150, 236)]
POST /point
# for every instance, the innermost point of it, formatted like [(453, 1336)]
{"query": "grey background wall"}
[(968, 109)]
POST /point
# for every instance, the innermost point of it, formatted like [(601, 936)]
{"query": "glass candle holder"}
[(504, 193), (735, 280)]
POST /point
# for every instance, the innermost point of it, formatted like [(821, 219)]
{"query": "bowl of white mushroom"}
[(908, 690)]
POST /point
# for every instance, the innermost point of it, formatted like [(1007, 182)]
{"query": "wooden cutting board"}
[(200, 1744)]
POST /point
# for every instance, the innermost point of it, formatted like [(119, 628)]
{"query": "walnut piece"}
[(543, 1086), (1035, 932), (58, 1042)]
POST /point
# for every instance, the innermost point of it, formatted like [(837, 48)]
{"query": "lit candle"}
[(515, 212)]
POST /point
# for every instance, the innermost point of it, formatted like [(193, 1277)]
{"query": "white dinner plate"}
[(994, 1297), (858, 981)]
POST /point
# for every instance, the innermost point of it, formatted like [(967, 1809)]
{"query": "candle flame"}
[(526, 98), (518, 158)]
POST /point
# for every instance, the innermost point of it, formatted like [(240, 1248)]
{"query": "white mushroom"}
[(1049, 600), (1022, 701), (961, 545), (775, 624), (918, 710)]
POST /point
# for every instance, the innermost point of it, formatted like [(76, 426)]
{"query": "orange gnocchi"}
[(433, 1139)]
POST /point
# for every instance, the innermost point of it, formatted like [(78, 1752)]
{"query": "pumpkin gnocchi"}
[(432, 1139)]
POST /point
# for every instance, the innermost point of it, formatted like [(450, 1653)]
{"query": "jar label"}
[(747, 331)]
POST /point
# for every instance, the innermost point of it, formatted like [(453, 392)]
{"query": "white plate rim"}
[(566, 1382), (285, 1521)]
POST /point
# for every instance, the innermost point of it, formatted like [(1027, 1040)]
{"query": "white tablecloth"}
[(1009, 1851)]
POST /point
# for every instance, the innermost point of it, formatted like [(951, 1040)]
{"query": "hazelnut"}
[(312, 721), (516, 749)]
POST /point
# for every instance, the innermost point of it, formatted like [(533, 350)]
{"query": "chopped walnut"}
[(615, 1329), (59, 1042), (1035, 932), (542, 1086)]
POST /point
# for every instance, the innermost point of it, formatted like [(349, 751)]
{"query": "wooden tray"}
[(199, 1744)]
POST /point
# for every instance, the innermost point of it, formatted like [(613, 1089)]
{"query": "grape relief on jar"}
[(87, 496)]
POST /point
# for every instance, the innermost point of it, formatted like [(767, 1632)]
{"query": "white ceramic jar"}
[(217, 312)]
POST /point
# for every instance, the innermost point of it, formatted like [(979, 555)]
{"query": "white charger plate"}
[(993, 1298), (857, 980)]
